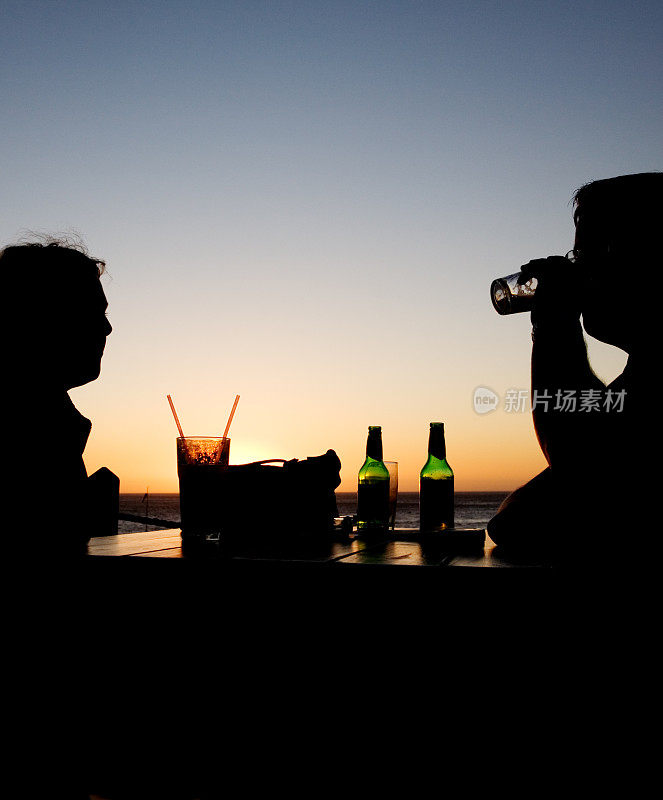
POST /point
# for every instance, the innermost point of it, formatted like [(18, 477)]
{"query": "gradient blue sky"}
[(305, 202)]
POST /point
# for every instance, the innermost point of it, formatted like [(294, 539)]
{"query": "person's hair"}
[(52, 294), (49, 276), (45, 253), (623, 214)]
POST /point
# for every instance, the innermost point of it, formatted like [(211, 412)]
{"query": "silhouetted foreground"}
[(58, 333), (595, 438)]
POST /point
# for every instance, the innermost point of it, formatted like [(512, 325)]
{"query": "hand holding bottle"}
[(550, 288), (559, 289)]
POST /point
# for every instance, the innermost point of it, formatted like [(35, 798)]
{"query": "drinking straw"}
[(230, 418), (177, 422)]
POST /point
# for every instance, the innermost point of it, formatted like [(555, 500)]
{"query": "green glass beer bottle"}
[(373, 486), (436, 485)]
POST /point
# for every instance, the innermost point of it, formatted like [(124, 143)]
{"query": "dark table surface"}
[(398, 577), (400, 548)]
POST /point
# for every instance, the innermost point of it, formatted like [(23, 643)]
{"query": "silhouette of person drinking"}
[(594, 437), (59, 332)]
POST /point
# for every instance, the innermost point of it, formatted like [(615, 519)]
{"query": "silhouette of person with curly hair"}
[(56, 335)]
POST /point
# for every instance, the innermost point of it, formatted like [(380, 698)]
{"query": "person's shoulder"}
[(628, 378), (632, 394), (620, 383)]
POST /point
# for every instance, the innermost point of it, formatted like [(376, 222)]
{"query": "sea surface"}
[(472, 509)]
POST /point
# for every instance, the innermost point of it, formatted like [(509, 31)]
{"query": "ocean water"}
[(472, 509)]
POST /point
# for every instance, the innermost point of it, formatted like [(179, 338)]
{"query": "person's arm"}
[(560, 376), (560, 368)]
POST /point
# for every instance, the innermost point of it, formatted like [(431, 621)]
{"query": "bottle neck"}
[(436, 444), (374, 445)]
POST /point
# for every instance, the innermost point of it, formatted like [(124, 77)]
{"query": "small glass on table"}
[(392, 467), (201, 464)]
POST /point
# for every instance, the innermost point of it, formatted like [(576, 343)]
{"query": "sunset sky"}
[(304, 203)]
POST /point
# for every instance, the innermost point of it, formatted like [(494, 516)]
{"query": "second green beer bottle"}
[(436, 485), (373, 486)]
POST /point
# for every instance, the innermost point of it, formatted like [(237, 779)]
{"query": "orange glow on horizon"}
[(481, 461)]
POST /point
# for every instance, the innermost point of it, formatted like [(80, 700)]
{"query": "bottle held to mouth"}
[(510, 296), (516, 293)]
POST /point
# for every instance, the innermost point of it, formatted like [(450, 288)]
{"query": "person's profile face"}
[(85, 329)]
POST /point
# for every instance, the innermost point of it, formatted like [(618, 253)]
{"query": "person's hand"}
[(557, 297)]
